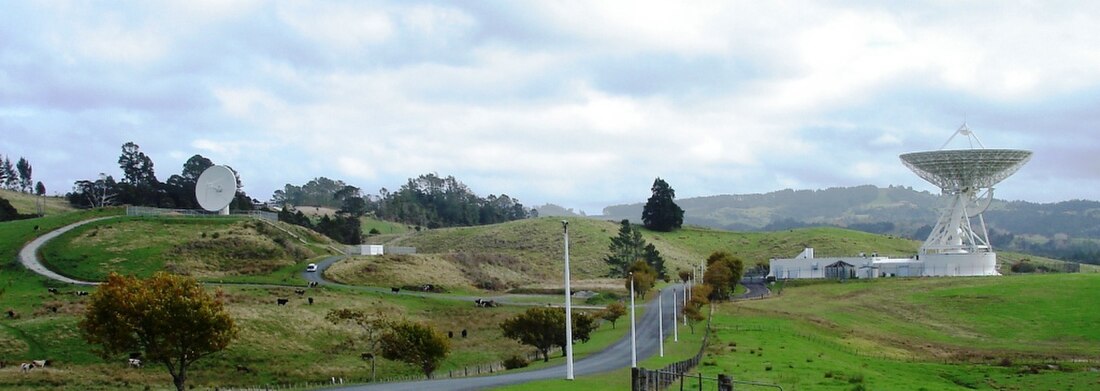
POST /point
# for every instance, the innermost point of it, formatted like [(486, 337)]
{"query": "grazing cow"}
[(81, 293), (428, 288), (27, 367), (451, 334), (40, 363), (242, 368), (13, 315), (300, 291), (313, 284), (134, 362), (311, 303), (464, 332), (395, 290), (52, 290), (281, 301)]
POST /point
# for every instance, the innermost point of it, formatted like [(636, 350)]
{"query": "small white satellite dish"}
[(216, 188)]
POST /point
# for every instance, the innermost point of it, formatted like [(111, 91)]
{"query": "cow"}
[(300, 291), (40, 363), (81, 293), (52, 290), (12, 315), (242, 368), (395, 290), (27, 367), (313, 284), (451, 334), (281, 301), (428, 288), (311, 301), (464, 332), (134, 363)]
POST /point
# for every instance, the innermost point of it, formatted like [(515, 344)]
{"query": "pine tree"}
[(661, 213)]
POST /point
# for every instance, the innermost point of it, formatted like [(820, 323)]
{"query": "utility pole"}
[(675, 331), (633, 335), (568, 309), (661, 322)]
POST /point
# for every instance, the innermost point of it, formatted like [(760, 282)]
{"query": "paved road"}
[(613, 357), (29, 254)]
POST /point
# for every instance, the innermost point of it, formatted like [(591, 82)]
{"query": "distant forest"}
[(429, 201), (1068, 230)]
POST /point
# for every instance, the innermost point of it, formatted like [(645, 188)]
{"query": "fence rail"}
[(150, 211)]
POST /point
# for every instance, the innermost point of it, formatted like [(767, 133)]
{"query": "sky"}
[(576, 103)]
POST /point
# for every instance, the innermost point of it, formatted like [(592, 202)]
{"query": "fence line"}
[(642, 379)]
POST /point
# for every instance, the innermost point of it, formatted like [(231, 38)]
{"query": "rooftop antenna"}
[(215, 189)]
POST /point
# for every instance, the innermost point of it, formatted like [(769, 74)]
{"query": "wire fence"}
[(150, 211), (642, 379)]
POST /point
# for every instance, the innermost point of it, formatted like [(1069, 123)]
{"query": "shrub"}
[(1023, 266), (856, 378), (515, 362), (374, 231)]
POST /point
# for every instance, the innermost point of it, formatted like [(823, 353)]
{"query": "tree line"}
[(17, 177), (140, 187), (428, 200)]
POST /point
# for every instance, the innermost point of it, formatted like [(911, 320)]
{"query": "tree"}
[(613, 312), (693, 309), (169, 318), (626, 248), (723, 273), (685, 275), (544, 328), (24, 168), (11, 178), (40, 191), (415, 343), (660, 212), (644, 278), (370, 325), (137, 168), (654, 259)]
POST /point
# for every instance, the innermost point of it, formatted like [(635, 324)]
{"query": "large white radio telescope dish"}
[(216, 188)]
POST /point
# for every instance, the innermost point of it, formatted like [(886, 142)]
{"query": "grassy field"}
[(1014, 332), (205, 248), (279, 344), (28, 203)]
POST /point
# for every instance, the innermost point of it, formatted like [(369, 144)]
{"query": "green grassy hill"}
[(204, 248), (28, 203)]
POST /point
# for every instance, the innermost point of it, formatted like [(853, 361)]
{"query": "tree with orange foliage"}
[(169, 318)]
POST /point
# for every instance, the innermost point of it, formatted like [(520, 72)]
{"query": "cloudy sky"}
[(577, 103)]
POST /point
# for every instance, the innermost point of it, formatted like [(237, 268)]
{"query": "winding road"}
[(615, 356)]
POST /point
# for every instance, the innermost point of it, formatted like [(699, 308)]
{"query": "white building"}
[(805, 265)]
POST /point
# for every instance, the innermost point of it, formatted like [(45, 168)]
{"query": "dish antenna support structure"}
[(966, 178), (216, 188)]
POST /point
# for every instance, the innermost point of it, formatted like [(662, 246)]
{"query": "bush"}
[(374, 231), (856, 378), (1023, 266), (516, 362)]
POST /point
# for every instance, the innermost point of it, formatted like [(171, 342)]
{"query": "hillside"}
[(1067, 230), (27, 203), (530, 252), (204, 248)]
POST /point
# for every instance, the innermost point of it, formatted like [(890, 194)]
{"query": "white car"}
[(311, 267)]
